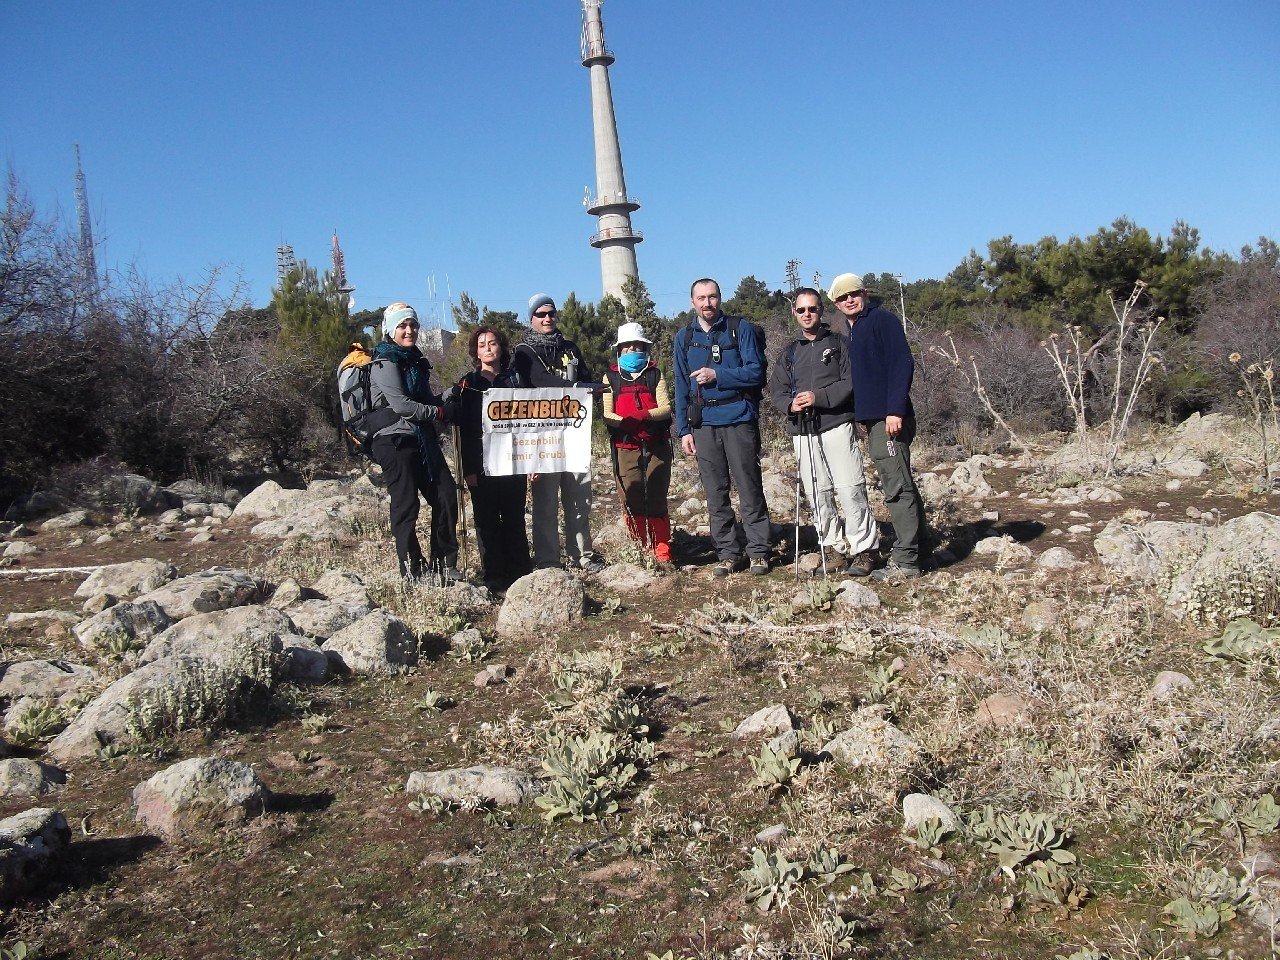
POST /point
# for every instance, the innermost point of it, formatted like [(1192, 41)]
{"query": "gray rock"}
[(773, 836), (919, 808), (214, 589), (854, 595), (17, 549), (1005, 548), (1057, 558), (31, 845), (1003, 710), (267, 501), (968, 479), (41, 616), (302, 661), (196, 794), (1143, 552), (1248, 544), (138, 621), (540, 603), (874, 743), (324, 618), (501, 786), (46, 679), (125, 580), (20, 777), (1041, 615), (328, 519), (197, 509), (463, 639), (1169, 683), (626, 578), (1187, 469), (787, 744), (99, 602), (491, 676), (343, 586), (206, 687), (131, 492), (247, 640), (765, 722), (376, 644), (65, 521), (287, 594)]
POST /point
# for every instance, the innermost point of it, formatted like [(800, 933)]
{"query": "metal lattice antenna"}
[(340, 271), (88, 258), (286, 262), (615, 239), (817, 280), (793, 275)]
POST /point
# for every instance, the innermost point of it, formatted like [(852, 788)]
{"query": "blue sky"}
[(454, 138)]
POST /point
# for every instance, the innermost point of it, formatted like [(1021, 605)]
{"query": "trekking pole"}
[(817, 500), (644, 493), (797, 559), (462, 492)]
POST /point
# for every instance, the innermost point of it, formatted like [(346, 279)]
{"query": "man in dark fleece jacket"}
[(882, 367), (810, 386)]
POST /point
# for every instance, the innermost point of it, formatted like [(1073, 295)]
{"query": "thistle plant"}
[(1259, 392)]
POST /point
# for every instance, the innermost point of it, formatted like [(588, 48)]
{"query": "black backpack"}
[(731, 325)]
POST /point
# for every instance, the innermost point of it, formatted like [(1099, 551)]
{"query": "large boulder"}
[(874, 743), (137, 622), (44, 679), (31, 845), (626, 578), (377, 644), (247, 640), (65, 521), (195, 795), (324, 618), (302, 661), (541, 602), (20, 777), (268, 500), (343, 586), (125, 580), (131, 493), (501, 786), (330, 518), (1142, 552), (1243, 553), (159, 696), (214, 589)]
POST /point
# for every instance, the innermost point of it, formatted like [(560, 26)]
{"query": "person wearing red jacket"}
[(637, 413)]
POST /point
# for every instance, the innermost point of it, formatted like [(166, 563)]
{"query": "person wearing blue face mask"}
[(637, 412)]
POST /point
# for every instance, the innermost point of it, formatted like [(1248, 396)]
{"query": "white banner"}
[(542, 430)]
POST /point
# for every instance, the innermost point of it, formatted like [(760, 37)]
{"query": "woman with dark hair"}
[(497, 502), (409, 449)]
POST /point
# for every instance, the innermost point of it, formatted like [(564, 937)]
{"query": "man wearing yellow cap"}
[(881, 365)]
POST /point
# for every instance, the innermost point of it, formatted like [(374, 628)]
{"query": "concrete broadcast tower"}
[(615, 239)]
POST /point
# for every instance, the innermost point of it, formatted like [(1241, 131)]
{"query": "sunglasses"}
[(806, 309), (546, 313), (850, 295)]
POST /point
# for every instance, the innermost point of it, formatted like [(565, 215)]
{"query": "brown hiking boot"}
[(862, 564)]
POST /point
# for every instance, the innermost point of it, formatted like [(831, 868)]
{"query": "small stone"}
[(104, 538), (195, 794), (202, 537), (1057, 558), (1193, 512), (1003, 710), (77, 542), (766, 721), (992, 516), (857, 596), (773, 836), (786, 743), (1173, 485), (76, 518), (1163, 505), (919, 808), (1168, 683), (17, 549), (491, 676)]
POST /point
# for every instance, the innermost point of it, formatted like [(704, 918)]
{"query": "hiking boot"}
[(591, 563), (728, 566), (450, 575), (759, 567), (893, 573), (862, 564)]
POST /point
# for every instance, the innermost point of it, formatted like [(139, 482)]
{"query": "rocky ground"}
[(230, 731)]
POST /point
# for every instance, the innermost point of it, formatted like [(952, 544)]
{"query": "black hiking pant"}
[(407, 476), (498, 506)]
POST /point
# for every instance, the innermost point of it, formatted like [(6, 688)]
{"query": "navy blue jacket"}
[(731, 399), (881, 364)]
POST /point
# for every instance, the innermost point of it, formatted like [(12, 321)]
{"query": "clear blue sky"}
[(454, 137)]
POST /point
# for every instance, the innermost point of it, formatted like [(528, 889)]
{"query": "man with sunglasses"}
[(719, 363), (810, 386), (882, 367), (547, 359)]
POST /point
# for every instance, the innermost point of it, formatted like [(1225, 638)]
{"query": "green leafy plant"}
[(904, 881), (429, 803), (774, 769), (315, 723), (1019, 840), (1211, 898), (39, 721), (825, 865), (473, 650), (883, 681), (433, 700), (1243, 640), (581, 676), (771, 879), (19, 951), (1067, 784), (930, 834)]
